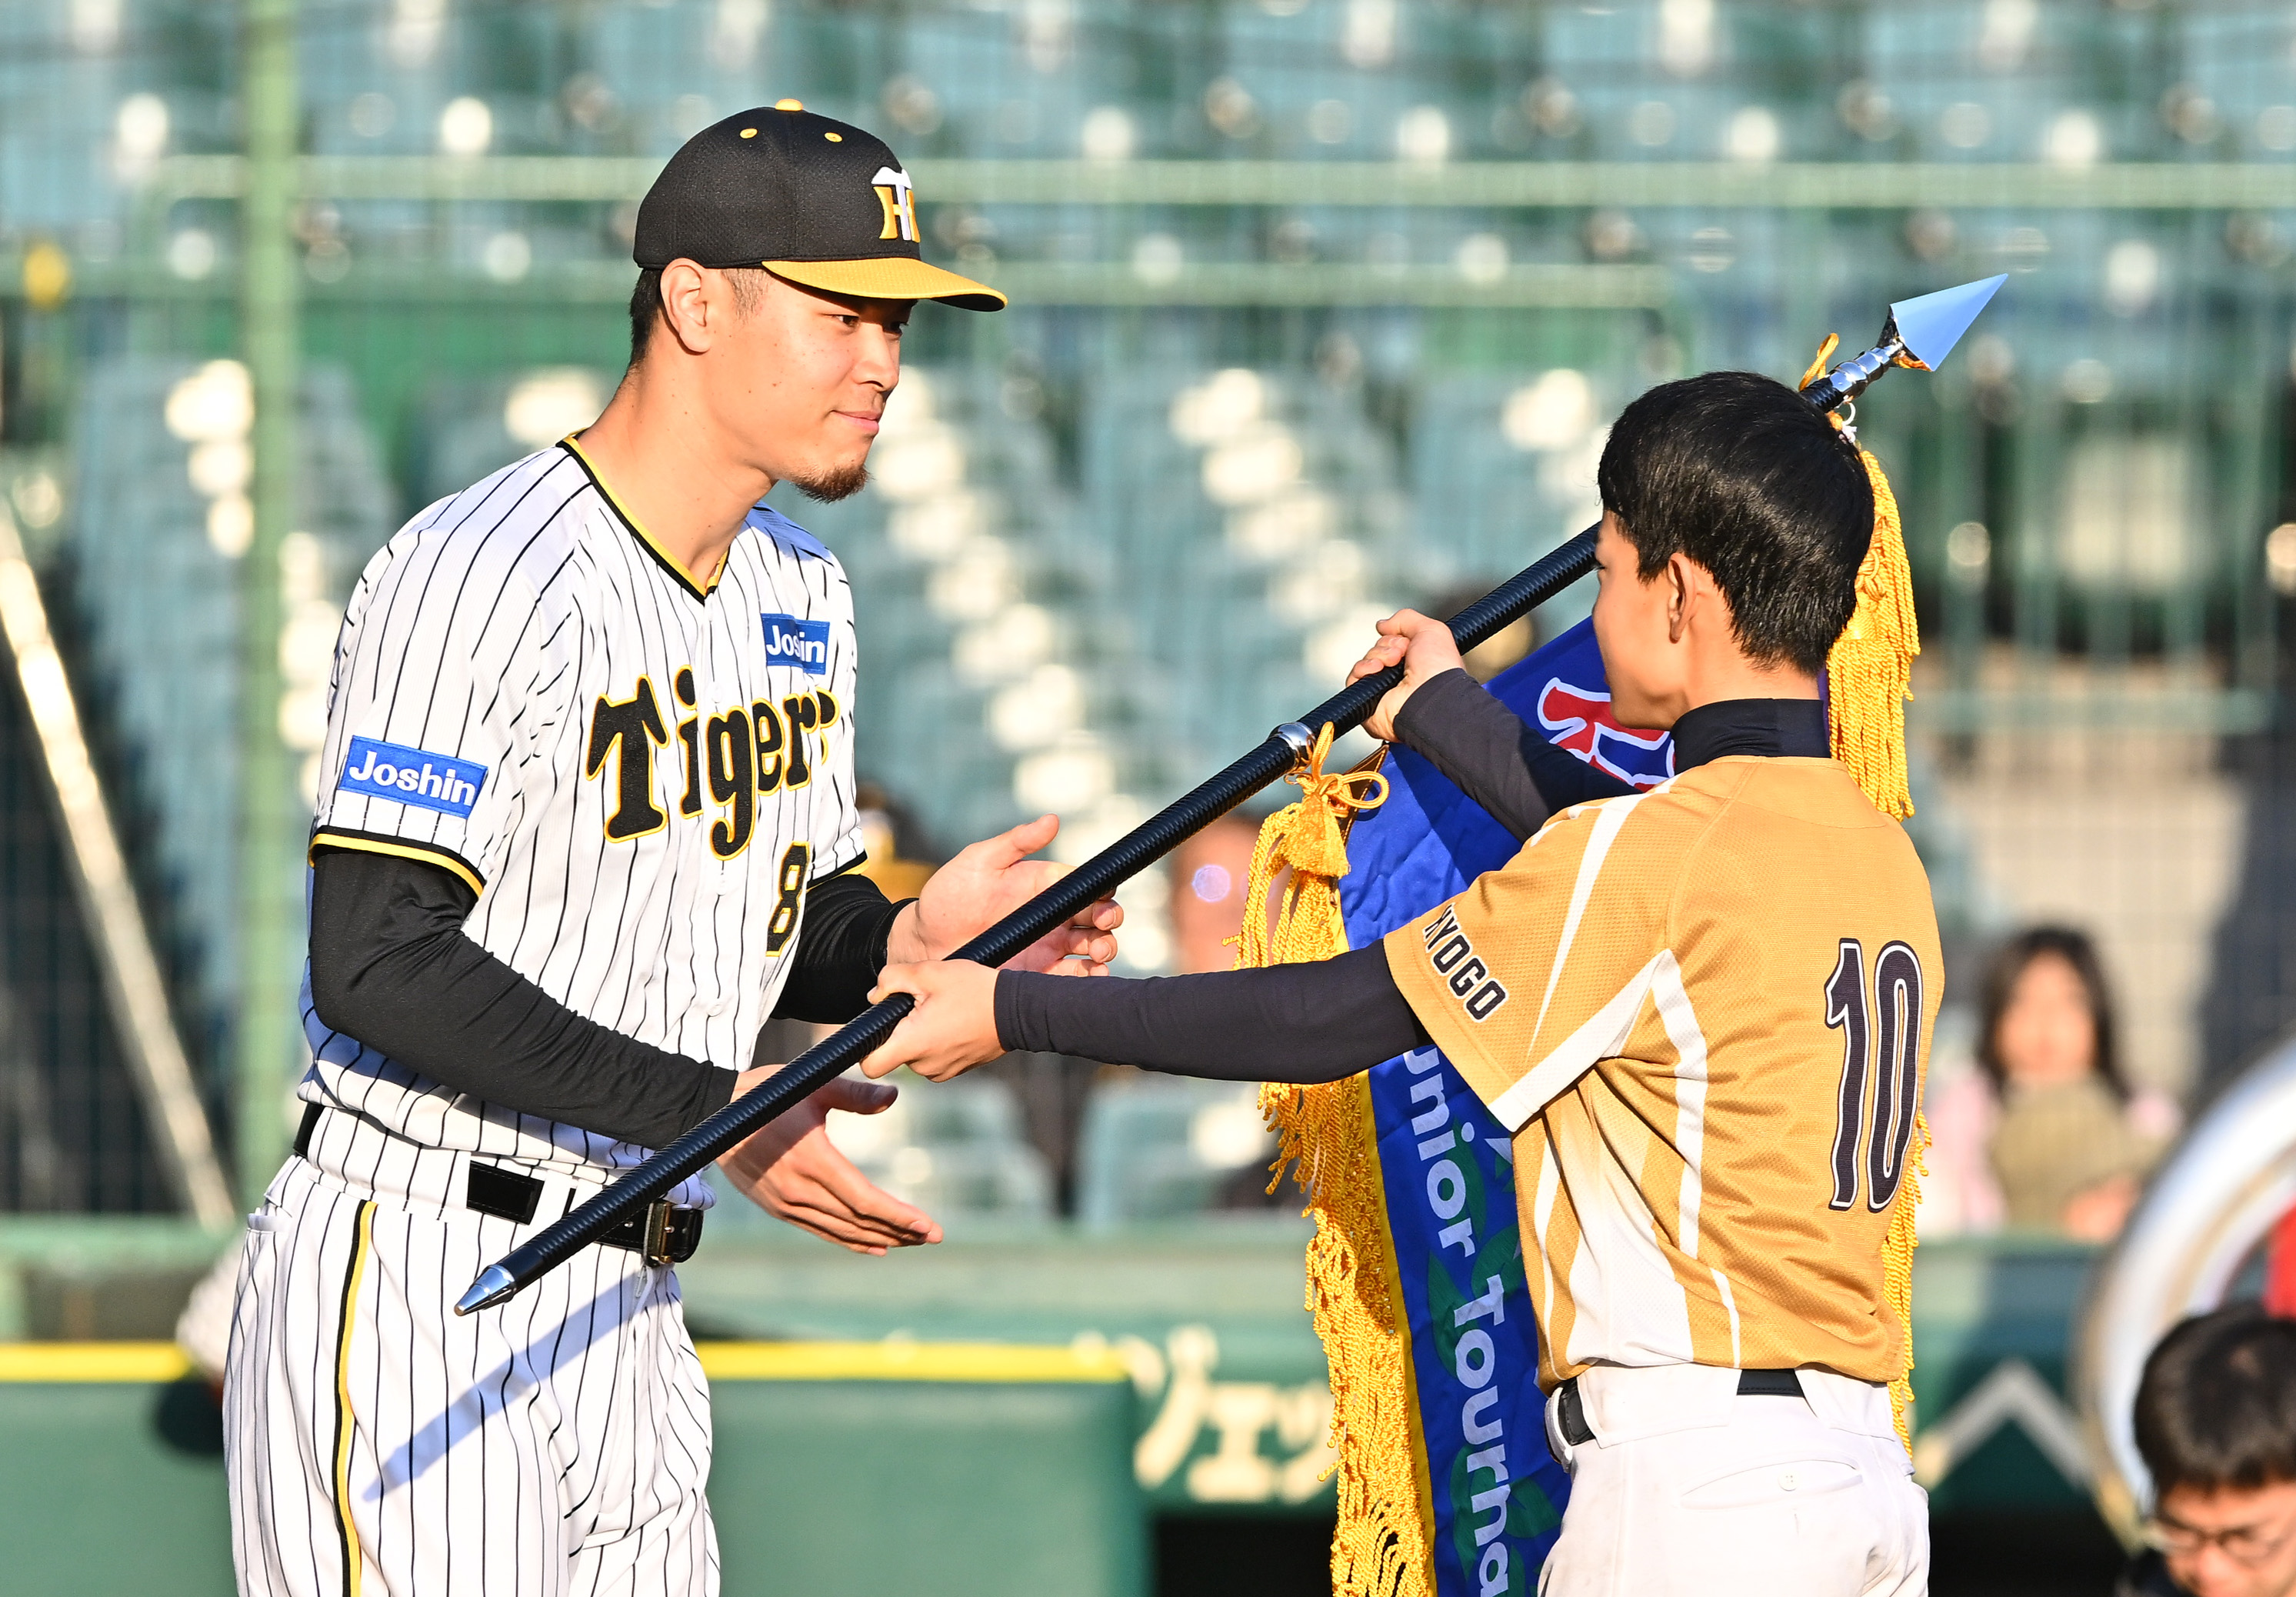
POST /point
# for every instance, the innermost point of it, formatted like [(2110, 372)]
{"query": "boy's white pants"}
[(1689, 1487)]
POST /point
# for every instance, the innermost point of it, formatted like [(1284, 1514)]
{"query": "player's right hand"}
[(1423, 646), (792, 1171), (986, 882)]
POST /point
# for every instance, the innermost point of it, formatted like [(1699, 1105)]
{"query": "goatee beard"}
[(839, 482)]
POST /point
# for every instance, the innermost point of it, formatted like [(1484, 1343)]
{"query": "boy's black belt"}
[(1571, 1413), (662, 1233)]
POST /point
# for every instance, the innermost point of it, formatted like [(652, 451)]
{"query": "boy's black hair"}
[(1745, 477), (2217, 1405)]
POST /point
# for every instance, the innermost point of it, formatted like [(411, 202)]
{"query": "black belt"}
[(662, 1233), (1571, 1411), (1770, 1383)]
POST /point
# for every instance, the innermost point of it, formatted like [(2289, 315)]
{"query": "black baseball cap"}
[(821, 202)]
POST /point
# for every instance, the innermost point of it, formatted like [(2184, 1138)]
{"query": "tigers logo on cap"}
[(898, 196), (818, 202)]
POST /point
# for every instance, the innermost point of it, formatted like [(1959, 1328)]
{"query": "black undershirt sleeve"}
[(1494, 757), (391, 966), (847, 919), (1308, 1022), (1322, 1021), (1298, 1023)]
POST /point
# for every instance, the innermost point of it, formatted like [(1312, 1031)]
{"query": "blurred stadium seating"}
[(958, 1154), (1163, 1147), (162, 465), (1321, 306)]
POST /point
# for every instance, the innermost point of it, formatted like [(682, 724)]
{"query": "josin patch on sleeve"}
[(394, 770)]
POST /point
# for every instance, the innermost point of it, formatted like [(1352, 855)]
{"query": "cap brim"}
[(888, 277)]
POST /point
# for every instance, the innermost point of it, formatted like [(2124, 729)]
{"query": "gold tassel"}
[(1897, 1274), (1868, 678), (1381, 1546), (1869, 673)]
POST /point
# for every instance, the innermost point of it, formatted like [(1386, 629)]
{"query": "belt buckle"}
[(653, 1245)]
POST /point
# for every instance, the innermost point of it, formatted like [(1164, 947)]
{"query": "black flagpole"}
[(1094, 880), (1920, 333)]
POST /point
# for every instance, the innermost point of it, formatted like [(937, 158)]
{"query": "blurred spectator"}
[(900, 857), (1958, 1192), (2216, 1423), (2044, 1134)]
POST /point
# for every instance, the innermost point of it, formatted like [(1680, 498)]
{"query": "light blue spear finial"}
[(1932, 324), (1921, 333)]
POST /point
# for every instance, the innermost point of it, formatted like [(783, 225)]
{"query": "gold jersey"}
[(1704, 1012)]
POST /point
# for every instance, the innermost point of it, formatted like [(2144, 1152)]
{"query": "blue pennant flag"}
[(1446, 1166)]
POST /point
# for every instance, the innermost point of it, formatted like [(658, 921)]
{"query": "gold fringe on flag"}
[(1868, 678), (1382, 1546)]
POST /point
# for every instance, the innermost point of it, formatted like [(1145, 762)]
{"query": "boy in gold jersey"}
[(1704, 1012)]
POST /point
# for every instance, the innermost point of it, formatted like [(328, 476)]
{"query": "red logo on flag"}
[(1580, 721)]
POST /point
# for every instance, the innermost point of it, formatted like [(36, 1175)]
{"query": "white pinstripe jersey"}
[(639, 775), (1704, 1012)]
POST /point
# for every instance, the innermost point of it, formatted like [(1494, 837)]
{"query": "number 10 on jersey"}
[(1881, 1039)]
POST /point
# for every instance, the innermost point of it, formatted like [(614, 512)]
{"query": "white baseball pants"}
[(556, 1445), (1689, 1489)]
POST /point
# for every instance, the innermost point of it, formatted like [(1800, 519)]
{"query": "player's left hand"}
[(988, 882), (792, 1171), (952, 1028)]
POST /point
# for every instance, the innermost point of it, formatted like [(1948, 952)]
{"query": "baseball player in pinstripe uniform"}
[(588, 823)]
